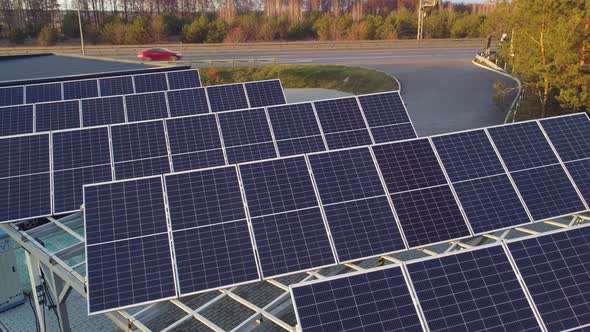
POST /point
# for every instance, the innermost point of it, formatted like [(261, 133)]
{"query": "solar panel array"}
[(310, 211), (469, 290), (176, 144), (97, 87), (125, 104)]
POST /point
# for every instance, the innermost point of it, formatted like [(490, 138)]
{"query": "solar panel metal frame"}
[(261, 81), (40, 84), (154, 93), (151, 74), (229, 110), (62, 102), (172, 258), (24, 92), (185, 70)]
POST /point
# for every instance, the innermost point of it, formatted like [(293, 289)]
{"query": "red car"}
[(158, 54)]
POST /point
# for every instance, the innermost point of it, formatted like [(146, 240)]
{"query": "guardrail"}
[(233, 62)]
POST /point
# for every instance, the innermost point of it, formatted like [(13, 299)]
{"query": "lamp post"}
[(81, 33)]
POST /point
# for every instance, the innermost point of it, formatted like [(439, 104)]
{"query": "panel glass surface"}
[(227, 97), (374, 301), (16, 120), (150, 82), (183, 79), (80, 89), (265, 93), (472, 291), (342, 123), (146, 106), (296, 129), (102, 111), (570, 136), (39, 93), (187, 102), (57, 115), (387, 117), (112, 86), (580, 172), (12, 96)]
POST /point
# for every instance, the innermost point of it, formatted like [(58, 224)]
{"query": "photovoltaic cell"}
[(580, 172), (472, 291), (183, 79), (102, 111), (287, 223), (194, 142), (139, 149), (570, 136), (146, 106), (79, 157), (265, 93), (246, 136), (522, 146), (43, 92), (296, 129), (57, 115), (16, 120), (12, 96), (342, 123), (374, 301), (227, 97), (122, 85), (150, 82), (80, 89), (555, 271), (387, 117), (24, 177), (187, 102)]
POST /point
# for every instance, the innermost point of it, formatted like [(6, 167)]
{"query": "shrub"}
[(358, 31), (16, 35), (196, 31), (114, 32), (47, 36), (91, 35), (139, 32), (216, 31), (70, 26), (236, 35), (159, 28)]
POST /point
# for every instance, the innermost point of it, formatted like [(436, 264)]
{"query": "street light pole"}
[(81, 33)]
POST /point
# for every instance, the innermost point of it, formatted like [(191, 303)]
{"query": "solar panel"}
[(24, 177), (57, 115), (39, 93), (555, 271), (387, 117), (475, 290), (129, 260), (187, 102), (580, 172), (139, 149), (374, 301), (183, 79), (342, 123), (122, 85), (150, 82), (79, 157), (570, 136), (146, 106), (265, 93), (358, 213), (80, 89), (246, 136), (296, 129), (485, 191), (287, 223), (211, 237), (194, 142), (16, 120), (12, 96), (227, 97), (102, 111)]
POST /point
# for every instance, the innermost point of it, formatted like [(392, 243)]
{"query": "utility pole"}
[(81, 32), (422, 14)]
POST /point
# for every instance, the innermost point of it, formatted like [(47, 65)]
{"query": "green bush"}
[(47, 36), (139, 32), (196, 31), (217, 30), (114, 32), (159, 28), (70, 26), (16, 35)]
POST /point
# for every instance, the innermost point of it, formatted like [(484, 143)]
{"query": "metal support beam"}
[(56, 285), (35, 279)]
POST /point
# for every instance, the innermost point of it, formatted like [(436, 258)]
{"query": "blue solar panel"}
[(548, 192), (150, 82), (342, 123), (12, 96), (79, 157), (472, 291), (387, 117), (227, 97), (24, 177), (555, 271), (265, 93), (580, 172), (183, 79), (122, 85), (374, 301), (57, 115), (287, 223), (80, 89), (146, 106), (409, 165), (194, 142), (491, 203), (246, 136), (570, 136), (296, 129), (16, 120), (102, 111), (43, 92), (522, 146), (187, 102), (139, 149), (468, 155), (429, 216)]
